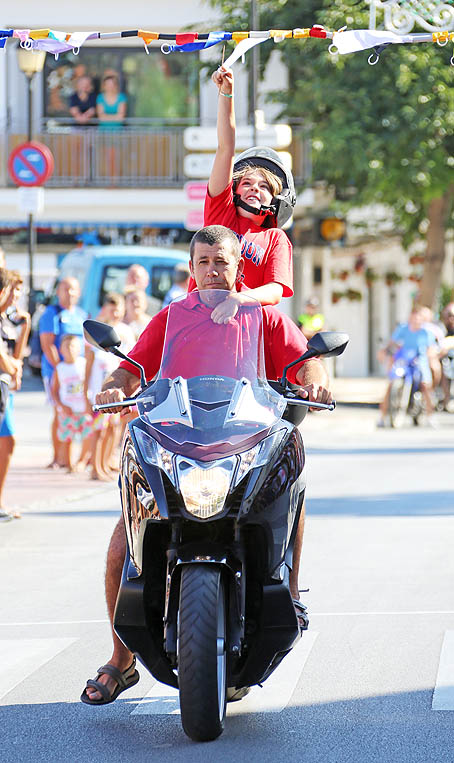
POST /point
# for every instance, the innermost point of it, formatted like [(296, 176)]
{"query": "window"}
[(156, 86)]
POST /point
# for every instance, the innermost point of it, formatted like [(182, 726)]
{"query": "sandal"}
[(301, 615), (124, 680)]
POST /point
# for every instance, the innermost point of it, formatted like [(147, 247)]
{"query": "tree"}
[(381, 133)]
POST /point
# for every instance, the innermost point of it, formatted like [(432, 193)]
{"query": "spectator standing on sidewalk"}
[(13, 339), (138, 277), (56, 321), (181, 278), (68, 393), (136, 316), (106, 430), (311, 320)]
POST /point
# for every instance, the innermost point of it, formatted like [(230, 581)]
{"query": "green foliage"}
[(382, 133)]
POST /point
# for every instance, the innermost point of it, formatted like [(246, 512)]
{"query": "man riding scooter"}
[(216, 263)]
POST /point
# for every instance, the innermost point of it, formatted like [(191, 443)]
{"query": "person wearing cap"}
[(254, 196), (311, 320)]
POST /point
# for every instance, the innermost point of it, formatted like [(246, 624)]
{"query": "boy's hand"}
[(226, 309), (223, 79)]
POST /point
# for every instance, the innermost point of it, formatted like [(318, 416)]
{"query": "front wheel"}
[(202, 652), (399, 399)]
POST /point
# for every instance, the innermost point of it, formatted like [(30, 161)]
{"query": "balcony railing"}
[(135, 156)]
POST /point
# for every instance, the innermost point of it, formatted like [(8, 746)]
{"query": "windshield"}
[(211, 397)]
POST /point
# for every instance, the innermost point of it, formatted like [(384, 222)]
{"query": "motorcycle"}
[(405, 392), (212, 482)]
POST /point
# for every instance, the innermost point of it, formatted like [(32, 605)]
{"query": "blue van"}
[(100, 269)]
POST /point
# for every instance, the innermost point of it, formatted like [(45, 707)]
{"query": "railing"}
[(134, 156)]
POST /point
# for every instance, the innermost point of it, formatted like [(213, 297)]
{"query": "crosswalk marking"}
[(443, 696), (21, 657), (273, 698)]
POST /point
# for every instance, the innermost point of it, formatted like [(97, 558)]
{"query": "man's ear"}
[(240, 269), (191, 269)]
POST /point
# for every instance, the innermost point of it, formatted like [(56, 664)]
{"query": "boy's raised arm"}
[(221, 174)]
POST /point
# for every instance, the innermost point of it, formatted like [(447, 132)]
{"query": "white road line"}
[(424, 613), (22, 657), (443, 697), (273, 698), (380, 614), (52, 622)]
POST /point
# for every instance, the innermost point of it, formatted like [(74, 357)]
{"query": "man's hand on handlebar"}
[(315, 393), (113, 395)]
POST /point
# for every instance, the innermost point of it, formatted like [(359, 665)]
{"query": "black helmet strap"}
[(263, 211)]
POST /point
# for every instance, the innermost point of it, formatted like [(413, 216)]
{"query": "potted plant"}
[(336, 296), (353, 295), (370, 276), (392, 277)]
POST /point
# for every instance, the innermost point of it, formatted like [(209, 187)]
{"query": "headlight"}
[(256, 456), (153, 453), (204, 490)]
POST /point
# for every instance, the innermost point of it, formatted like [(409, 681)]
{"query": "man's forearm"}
[(121, 379), (312, 372)]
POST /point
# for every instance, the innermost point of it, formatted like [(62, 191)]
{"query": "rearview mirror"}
[(101, 335), (328, 343), (104, 337), (323, 343)]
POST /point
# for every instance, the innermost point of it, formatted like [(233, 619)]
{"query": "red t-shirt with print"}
[(267, 252)]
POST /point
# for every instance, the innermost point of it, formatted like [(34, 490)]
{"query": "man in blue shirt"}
[(56, 321), (181, 276), (412, 339)]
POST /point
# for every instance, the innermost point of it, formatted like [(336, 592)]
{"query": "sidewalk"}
[(30, 486), (359, 391)]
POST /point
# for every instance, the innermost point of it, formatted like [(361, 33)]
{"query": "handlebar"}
[(297, 400)]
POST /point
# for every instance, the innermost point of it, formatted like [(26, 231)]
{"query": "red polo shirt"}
[(283, 343)]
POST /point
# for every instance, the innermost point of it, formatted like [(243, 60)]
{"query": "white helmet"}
[(283, 204)]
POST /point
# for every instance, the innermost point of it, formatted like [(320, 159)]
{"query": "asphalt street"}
[(372, 679)]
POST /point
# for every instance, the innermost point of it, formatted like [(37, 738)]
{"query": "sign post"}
[(30, 165)]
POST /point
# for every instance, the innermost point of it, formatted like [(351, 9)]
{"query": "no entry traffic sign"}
[(31, 164)]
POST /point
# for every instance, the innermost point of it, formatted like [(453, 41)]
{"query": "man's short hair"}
[(216, 234), (113, 298)]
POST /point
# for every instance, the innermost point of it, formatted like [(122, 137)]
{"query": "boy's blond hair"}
[(274, 183)]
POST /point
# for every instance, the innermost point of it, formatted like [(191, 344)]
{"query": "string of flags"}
[(342, 42)]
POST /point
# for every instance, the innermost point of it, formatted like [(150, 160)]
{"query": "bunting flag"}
[(342, 41)]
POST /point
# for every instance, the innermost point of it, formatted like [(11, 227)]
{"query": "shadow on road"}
[(378, 729)]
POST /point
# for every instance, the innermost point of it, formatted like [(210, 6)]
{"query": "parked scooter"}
[(212, 484)]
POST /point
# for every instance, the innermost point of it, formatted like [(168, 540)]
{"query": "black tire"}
[(202, 654), (399, 399)]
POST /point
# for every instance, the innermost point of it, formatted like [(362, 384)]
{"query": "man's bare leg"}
[(297, 549), (121, 657)]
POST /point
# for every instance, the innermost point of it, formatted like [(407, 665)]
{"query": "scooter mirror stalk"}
[(326, 343), (104, 337)]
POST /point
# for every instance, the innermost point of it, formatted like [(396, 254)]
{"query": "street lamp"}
[(254, 73), (30, 63)]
